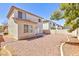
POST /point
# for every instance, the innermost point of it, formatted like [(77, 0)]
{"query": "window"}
[(19, 14), (30, 28), (24, 15), (39, 20), (53, 24), (27, 28)]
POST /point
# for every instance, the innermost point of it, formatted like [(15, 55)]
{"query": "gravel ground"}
[(48, 45), (71, 48)]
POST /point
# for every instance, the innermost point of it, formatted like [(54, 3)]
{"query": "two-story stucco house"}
[(23, 24)]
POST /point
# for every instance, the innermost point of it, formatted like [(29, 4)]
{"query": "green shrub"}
[(53, 28), (1, 29)]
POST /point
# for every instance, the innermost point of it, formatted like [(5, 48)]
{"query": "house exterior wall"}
[(17, 29), (39, 28), (21, 33), (13, 29), (46, 26), (78, 33), (26, 16), (31, 17), (36, 29), (74, 33)]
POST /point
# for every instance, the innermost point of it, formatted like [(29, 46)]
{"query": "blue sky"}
[(42, 9)]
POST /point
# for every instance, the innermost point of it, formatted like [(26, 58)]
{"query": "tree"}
[(57, 15), (70, 14)]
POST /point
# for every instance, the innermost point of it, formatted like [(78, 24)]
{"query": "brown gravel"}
[(48, 45), (71, 48)]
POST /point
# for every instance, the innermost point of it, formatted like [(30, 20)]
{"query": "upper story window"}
[(39, 20), (19, 14)]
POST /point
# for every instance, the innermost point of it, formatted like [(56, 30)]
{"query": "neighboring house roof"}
[(51, 22), (56, 24), (13, 7), (46, 21), (59, 25)]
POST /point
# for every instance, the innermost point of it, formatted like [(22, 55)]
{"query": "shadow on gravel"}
[(35, 37), (32, 38), (73, 43)]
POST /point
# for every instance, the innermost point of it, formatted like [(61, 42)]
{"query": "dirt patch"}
[(71, 49)]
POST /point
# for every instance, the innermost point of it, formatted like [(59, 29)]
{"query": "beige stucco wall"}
[(78, 33), (74, 33), (46, 26), (39, 27), (28, 16), (13, 29), (21, 34), (35, 28), (32, 18)]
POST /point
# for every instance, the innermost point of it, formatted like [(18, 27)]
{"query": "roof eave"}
[(13, 7)]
